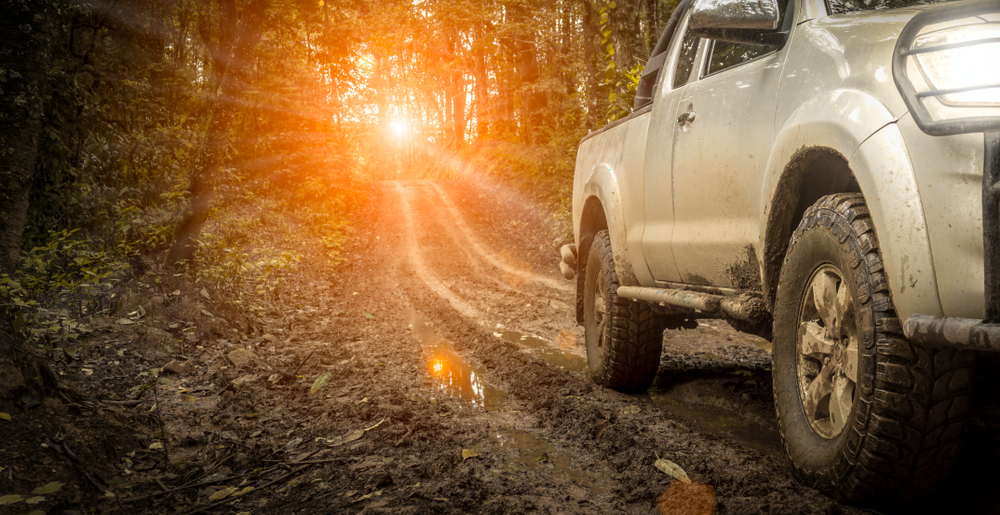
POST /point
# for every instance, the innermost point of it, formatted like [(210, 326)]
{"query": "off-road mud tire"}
[(910, 402), (624, 352)]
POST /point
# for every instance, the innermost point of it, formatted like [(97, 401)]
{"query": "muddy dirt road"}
[(458, 331), (438, 370)]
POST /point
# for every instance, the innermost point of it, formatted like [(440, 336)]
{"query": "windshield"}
[(846, 6)]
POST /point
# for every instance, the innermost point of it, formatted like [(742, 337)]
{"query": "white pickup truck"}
[(817, 172)]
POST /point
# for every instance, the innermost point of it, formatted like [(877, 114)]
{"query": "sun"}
[(400, 128)]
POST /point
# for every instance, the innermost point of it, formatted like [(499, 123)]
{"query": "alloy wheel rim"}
[(600, 316), (827, 352)]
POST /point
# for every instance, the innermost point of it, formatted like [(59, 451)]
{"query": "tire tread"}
[(921, 395)]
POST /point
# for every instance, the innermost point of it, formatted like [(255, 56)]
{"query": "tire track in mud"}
[(500, 263), (416, 259), (498, 294), (438, 323)]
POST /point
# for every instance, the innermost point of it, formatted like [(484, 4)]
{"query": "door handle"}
[(687, 117)]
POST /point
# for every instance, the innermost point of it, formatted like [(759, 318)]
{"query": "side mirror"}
[(740, 21)]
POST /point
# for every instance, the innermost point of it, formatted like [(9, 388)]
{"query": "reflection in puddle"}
[(715, 421), (545, 350), (451, 374), (535, 452)]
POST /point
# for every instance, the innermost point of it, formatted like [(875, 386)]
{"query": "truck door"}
[(719, 156), (658, 197)]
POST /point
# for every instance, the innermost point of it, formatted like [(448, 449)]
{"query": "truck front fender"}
[(857, 133)]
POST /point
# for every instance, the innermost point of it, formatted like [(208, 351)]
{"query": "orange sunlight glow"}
[(400, 128), (438, 366)]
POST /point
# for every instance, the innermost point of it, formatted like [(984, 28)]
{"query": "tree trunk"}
[(24, 60), (213, 151)]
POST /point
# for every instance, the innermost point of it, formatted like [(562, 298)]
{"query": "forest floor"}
[(438, 370)]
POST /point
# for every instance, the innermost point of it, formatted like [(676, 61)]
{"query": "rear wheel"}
[(624, 338), (864, 414)]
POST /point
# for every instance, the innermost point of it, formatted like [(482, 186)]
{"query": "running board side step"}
[(748, 308)]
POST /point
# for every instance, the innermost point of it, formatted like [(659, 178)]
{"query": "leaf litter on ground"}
[(320, 382), (352, 436), (671, 469)]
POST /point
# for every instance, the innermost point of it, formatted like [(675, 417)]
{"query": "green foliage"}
[(239, 260), (57, 284), (623, 84)]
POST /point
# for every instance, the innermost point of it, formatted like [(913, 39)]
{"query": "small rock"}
[(55, 405), (244, 380), (242, 358), (179, 367), (11, 379)]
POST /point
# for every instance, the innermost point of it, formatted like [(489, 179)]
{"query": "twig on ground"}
[(237, 496), (303, 362)]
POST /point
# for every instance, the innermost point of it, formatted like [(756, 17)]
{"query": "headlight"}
[(947, 67), (964, 60)]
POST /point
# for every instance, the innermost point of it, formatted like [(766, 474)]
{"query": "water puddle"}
[(536, 453), (716, 421), (452, 376), (545, 349)]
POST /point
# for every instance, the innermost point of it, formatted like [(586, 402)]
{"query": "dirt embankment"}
[(439, 370)]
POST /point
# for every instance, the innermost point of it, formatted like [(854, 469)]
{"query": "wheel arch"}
[(810, 174), (592, 221), (878, 166)]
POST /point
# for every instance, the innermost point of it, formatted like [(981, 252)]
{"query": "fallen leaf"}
[(222, 494), (376, 425), (156, 445), (204, 293), (206, 313), (355, 435), (362, 400), (10, 499), (4, 416), (369, 315), (468, 453), (543, 457), (320, 382), (50, 488), (444, 414), (175, 292), (188, 398), (376, 493), (672, 469), (125, 321), (245, 491), (293, 443), (440, 499), (34, 500)]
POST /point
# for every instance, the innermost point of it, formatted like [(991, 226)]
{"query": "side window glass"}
[(685, 59), (726, 55)]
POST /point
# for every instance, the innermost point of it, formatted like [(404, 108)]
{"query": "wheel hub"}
[(827, 349)]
